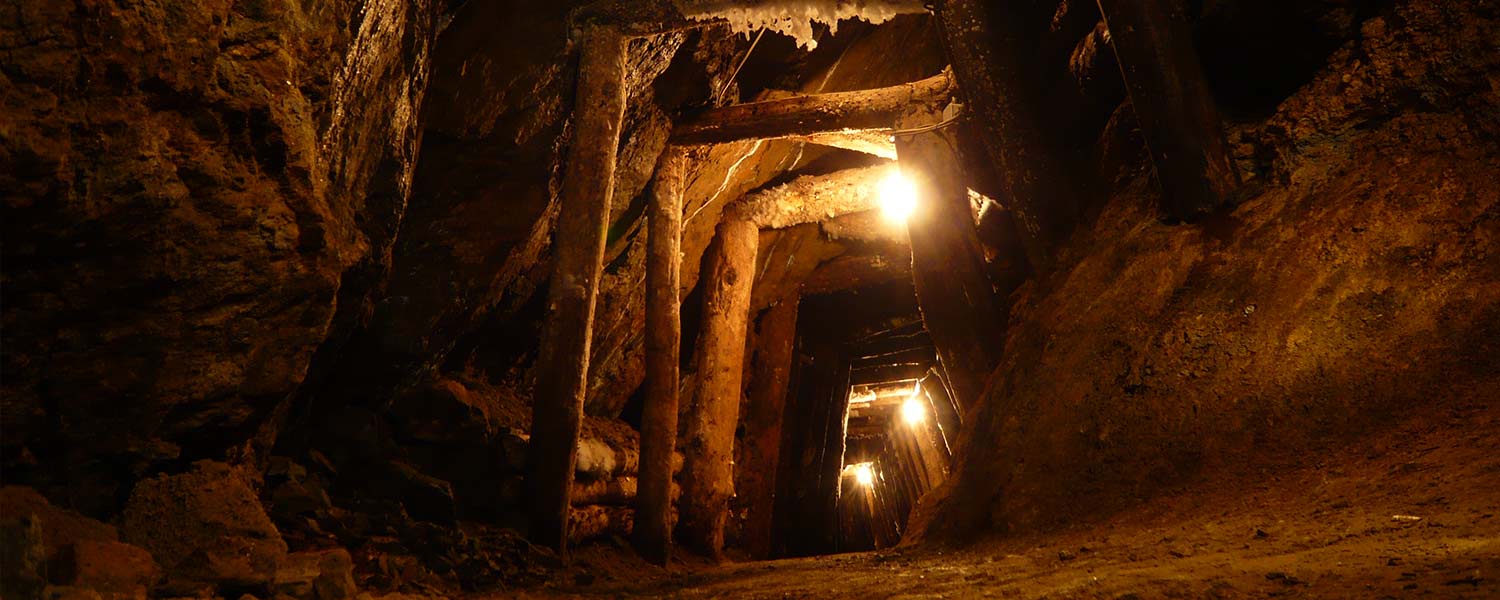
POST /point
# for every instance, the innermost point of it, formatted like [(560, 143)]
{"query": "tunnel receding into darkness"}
[(398, 299)]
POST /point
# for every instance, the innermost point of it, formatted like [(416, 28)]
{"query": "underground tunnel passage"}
[(394, 299)]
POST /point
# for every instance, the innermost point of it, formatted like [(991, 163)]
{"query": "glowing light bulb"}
[(913, 411), (864, 475), (898, 197)]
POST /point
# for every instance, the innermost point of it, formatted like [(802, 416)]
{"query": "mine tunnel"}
[(396, 299)]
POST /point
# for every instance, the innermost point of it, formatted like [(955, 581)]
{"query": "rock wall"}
[(189, 186), (1356, 285)]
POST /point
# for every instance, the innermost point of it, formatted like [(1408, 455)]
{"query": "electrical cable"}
[(736, 72), (926, 128)]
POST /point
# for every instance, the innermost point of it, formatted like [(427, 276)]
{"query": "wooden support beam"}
[(948, 419), (892, 343), (930, 448), (853, 271), (616, 491), (811, 114), (887, 373), (916, 354), (1154, 44), (563, 359), (958, 304), (875, 142), (595, 521), (867, 228), (707, 478), (994, 62), (812, 198), (808, 495), (831, 456), (770, 373), (653, 524), (793, 440)]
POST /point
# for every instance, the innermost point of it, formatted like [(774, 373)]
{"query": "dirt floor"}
[(1409, 513)]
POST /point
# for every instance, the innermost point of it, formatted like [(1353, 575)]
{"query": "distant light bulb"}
[(898, 197), (864, 475), (913, 411)]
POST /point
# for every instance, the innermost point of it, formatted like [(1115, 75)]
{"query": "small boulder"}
[(425, 497), (335, 576), (295, 492), (442, 412), (204, 526), (115, 569), (316, 575), (513, 443)]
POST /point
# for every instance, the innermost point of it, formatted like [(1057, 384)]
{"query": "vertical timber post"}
[(770, 373), (653, 518), (707, 476), (1154, 44), (563, 360), (958, 303), (995, 67)]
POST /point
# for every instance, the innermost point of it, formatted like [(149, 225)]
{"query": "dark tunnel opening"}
[(868, 426)]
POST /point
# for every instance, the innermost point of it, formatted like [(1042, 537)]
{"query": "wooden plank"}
[(770, 373)]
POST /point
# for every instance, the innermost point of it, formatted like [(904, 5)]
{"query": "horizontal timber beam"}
[(812, 198), (874, 142), (892, 343), (812, 114), (890, 372), (914, 354), (853, 271)]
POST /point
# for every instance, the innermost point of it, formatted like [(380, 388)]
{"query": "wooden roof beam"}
[(813, 114)]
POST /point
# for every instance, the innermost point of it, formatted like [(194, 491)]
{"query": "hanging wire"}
[(725, 88), (957, 115)]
